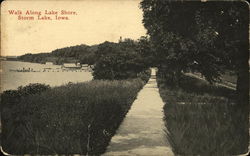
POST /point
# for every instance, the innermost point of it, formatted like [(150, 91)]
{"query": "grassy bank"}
[(202, 119), (75, 118)]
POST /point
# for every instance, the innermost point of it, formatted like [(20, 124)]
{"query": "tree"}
[(146, 51), (205, 37), (118, 60)]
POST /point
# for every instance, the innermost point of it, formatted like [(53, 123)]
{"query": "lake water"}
[(53, 77)]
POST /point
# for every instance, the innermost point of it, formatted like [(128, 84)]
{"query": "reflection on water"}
[(11, 79)]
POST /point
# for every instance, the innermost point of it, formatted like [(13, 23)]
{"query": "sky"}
[(95, 21)]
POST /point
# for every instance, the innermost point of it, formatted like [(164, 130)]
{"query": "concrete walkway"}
[(142, 131)]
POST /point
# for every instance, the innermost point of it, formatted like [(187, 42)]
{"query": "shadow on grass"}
[(194, 85), (203, 119)]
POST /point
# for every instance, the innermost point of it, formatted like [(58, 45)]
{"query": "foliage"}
[(112, 60), (12, 97), (147, 52), (118, 60), (202, 119), (67, 119), (80, 53), (33, 88), (144, 75), (137, 51), (206, 37), (33, 57)]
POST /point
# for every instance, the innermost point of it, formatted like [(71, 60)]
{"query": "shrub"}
[(11, 97), (144, 75), (33, 88)]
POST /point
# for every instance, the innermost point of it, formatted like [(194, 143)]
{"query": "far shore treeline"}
[(121, 60), (83, 53), (79, 53)]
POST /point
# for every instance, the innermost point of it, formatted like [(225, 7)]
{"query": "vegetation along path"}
[(142, 131)]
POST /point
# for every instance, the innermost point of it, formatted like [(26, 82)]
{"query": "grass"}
[(203, 119), (72, 119), (229, 77)]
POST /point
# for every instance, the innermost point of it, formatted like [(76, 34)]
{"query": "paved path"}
[(142, 131)]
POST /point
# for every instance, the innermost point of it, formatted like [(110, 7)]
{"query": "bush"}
[(72, 119), (33, 88), (144, 75), (118, 61), (12, 97)]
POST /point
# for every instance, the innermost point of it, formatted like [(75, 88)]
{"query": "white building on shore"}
[(71, 66)]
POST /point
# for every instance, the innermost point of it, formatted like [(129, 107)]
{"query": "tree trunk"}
[(242, 68), (242, 90)]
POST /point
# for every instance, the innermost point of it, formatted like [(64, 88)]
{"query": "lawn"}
[(202, 119), (71, 119)]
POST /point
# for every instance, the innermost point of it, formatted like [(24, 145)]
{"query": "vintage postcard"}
[(124, 77)]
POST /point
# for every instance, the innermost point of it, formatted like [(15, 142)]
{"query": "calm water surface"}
[(56, 77)]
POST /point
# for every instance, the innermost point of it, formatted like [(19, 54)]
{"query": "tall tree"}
[(207, 37), (118, 60)]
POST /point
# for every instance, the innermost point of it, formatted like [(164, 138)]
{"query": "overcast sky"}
[(95, 22)]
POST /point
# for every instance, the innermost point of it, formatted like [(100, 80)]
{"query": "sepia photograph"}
[(124, 77)]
